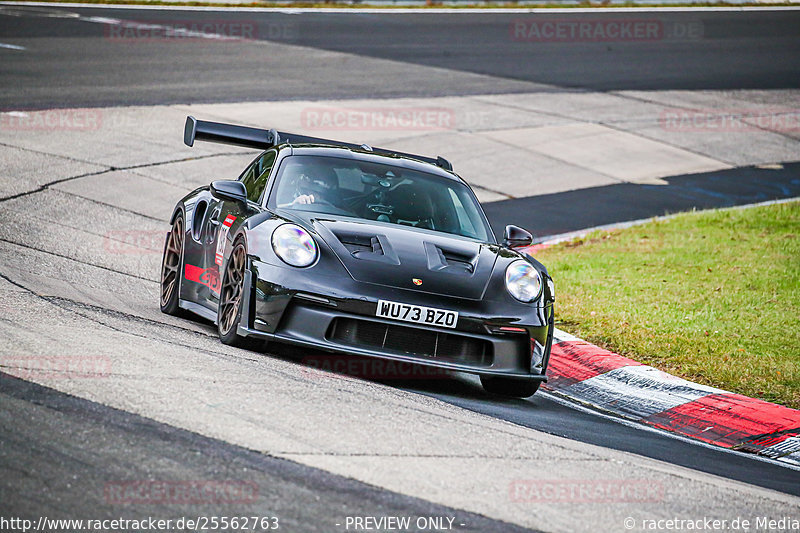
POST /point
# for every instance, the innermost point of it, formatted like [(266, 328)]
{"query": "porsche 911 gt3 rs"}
[(359, 251)]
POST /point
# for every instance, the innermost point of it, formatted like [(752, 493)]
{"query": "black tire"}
[(512, 387), (172, 267), (229, 310)]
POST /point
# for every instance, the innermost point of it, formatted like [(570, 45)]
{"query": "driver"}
[(315, 184)]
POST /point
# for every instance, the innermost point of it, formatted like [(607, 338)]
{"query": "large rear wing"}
[(202, 130)]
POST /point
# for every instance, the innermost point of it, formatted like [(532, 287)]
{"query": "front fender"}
[(258, 232)]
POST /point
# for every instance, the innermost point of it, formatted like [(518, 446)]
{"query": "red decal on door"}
[(208, 277)]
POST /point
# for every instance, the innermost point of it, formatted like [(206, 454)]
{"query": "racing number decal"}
[(222, 237)]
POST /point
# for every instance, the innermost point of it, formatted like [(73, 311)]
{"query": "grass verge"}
[(711, 296)]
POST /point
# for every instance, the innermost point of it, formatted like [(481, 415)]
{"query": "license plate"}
[(417, 314)]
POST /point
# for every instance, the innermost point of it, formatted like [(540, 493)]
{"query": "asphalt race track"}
[(168, 403), (464, 54), (70, 422)]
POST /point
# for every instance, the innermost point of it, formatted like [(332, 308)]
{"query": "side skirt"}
[(198, 309)]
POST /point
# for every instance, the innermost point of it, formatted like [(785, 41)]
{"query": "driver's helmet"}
[(319, 180)]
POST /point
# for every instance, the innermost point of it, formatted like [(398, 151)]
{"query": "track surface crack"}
[(107, 170)]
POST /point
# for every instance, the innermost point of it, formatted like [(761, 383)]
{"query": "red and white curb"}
[(603, 380)]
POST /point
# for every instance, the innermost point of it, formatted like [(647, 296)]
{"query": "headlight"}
[(523, 281), (294, 245)]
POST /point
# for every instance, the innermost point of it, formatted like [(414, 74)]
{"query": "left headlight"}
[(294, 245), (523, 281)]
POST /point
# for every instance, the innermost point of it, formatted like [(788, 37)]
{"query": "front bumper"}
[(337, 314)]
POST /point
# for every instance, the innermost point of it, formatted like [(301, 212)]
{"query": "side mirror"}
[(516, 237), (231, 190)]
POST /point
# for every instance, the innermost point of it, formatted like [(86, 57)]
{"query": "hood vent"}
[(393, 256), (442, 259), (360, 244), (366, 246)]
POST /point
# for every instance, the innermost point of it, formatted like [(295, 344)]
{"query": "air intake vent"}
[(359, 243), (416, 342), (375, 248), (368, 246), (448, 260)]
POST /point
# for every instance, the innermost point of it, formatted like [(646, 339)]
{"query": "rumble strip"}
[(588, 374)]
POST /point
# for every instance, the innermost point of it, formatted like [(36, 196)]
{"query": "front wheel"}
[(512, 387), (231, 301)]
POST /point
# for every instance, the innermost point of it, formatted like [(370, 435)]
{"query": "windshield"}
[(379, 192)]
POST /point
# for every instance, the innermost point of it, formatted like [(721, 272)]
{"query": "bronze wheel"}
[(230, 299), (171, 267)]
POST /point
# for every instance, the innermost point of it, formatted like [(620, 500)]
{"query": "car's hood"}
[(408, 258)]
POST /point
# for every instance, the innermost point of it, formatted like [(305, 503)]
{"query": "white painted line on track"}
[(392, 10), (101, 20), (638, 425), (12, 46)]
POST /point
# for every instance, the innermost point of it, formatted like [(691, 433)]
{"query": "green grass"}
[(712, 296)]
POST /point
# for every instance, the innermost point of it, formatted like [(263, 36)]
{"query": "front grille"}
[(417, 342)]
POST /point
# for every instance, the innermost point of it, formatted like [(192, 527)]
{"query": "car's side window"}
[(255, 178)]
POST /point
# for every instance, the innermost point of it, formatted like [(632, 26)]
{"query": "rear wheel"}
[(512, 387), (229, 312), (171, 266)]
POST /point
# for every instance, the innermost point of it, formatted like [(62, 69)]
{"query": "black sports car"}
[(362, 251)]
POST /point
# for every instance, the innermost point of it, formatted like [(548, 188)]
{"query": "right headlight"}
[(294, 245), (523, 282)]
